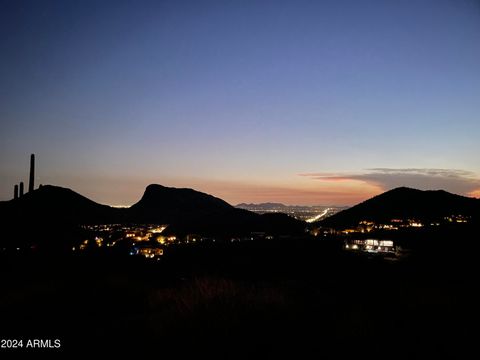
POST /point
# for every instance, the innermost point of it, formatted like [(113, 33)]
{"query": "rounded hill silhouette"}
[(406, 203)]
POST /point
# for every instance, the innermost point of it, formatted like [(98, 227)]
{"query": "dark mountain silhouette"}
[(51, 203), (48, 217), (188, 210), (54, 213), (406, 203), (165, 204)]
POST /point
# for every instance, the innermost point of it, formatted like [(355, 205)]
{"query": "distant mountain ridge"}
[(273, 206), (406, 203), (56, 211), (261, 206)]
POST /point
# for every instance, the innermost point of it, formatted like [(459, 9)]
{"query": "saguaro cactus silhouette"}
[(32, 173)]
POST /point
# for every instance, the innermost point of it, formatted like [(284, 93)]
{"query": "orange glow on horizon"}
[(474, 193), (292, 190), (347, 192)]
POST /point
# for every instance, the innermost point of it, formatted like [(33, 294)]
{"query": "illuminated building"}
[(149, 252), (370, 245)]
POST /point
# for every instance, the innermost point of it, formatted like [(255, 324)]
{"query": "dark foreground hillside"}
[(297, 298)]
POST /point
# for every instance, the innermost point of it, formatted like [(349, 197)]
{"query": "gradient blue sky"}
[(302, 102)]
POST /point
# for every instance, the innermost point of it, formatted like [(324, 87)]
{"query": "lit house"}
[(147, 251), (370, 245)]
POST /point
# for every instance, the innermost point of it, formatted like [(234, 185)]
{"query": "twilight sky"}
[(301, 102)]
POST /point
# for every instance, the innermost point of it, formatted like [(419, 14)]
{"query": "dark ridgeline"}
[(160, 203), (58, 211), (191, 211), (31, 181), (406, 203), (49, 218), (15, 192), (56, 204)]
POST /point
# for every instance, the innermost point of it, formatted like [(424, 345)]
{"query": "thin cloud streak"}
[(453, 180)]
